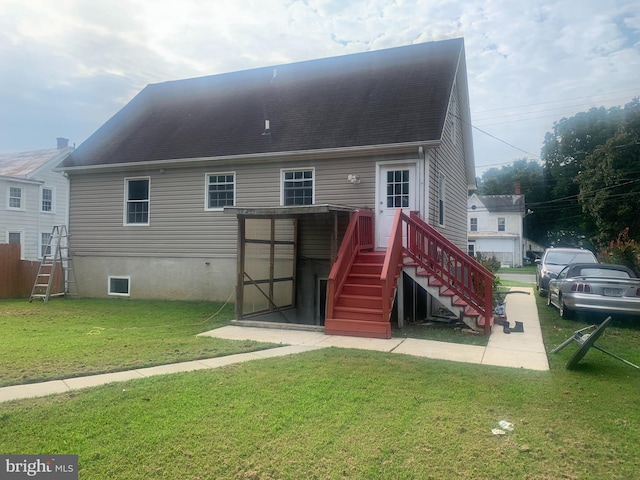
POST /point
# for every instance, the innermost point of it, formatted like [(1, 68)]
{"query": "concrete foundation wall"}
[(159, 278)]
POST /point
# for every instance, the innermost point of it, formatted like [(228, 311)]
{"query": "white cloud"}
[(79, 62)]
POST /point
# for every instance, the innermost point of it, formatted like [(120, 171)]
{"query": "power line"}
[(494, 137), (557, 101)]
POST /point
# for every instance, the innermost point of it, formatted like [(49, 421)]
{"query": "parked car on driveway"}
[(555, 259), (600, 288)]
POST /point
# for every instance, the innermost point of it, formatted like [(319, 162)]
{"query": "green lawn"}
[(75, 337), (338, 413)]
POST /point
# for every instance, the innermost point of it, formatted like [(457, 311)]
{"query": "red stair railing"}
[(392, 267), (467, 278), (357, 238)]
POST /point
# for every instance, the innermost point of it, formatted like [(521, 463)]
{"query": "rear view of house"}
[(244, 185)]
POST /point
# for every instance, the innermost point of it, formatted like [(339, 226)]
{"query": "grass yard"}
[(75, 337), (337, 413)]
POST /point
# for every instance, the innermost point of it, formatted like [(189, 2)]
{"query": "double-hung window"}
[(221, 191), (46, 201), (473, 224), (501, 224), (137, 201), (45, 248), (298, 187), (15, 201)]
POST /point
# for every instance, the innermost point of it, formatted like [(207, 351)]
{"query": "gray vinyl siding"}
[(448, 160), (179, 224)]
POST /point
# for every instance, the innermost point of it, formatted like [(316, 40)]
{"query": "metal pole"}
[(615, 356)]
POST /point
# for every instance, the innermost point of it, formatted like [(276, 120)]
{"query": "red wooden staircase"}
[(358, 309), (363, 282)]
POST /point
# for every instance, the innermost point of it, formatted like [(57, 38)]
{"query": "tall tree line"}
[(586, 188)]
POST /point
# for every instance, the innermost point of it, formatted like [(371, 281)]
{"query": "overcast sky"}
[(67, 66)]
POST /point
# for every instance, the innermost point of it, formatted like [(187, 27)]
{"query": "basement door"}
[(396, 188)]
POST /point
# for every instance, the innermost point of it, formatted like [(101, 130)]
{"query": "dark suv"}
[(555, 259)]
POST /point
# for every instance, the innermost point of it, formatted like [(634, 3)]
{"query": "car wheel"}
[(564, 311), (541, 292)]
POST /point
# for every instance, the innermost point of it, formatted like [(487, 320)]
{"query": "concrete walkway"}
[(517, 350)]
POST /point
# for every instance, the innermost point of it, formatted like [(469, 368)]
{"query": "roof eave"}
[(248, 158), (21, 180)]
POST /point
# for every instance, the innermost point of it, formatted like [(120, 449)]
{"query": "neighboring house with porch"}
[(496, 228), (34, 197), (264, 186)]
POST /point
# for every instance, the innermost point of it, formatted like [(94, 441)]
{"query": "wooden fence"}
[(18, 276)]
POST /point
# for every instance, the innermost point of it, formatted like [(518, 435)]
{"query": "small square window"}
[(119, 286), (15, 237)]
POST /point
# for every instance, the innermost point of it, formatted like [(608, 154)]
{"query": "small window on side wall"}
[(136, 201), (119, 286), (442, 189), (15, 200), (46, 203)]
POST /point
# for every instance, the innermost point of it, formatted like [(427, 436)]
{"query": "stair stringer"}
[(451, 301)]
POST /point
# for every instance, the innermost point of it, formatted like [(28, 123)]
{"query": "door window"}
[(398, 189)]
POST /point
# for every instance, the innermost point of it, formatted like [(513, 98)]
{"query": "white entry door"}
[(396, 189)]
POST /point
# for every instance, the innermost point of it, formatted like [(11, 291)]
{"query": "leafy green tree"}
[(564, 153), (609, 181)]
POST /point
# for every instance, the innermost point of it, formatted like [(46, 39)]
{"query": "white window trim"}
[(126, 199), (21, 208), (206, 191), (119, 277), (53, 199), (301, 169)]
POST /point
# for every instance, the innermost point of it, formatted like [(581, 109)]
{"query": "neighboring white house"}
[(33, 198), (496, 227)]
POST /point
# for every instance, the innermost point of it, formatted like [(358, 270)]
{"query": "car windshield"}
[(603, 272), (565, 258)]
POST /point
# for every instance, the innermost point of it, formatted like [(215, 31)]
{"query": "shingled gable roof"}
[(502, 203), (385, 97)]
